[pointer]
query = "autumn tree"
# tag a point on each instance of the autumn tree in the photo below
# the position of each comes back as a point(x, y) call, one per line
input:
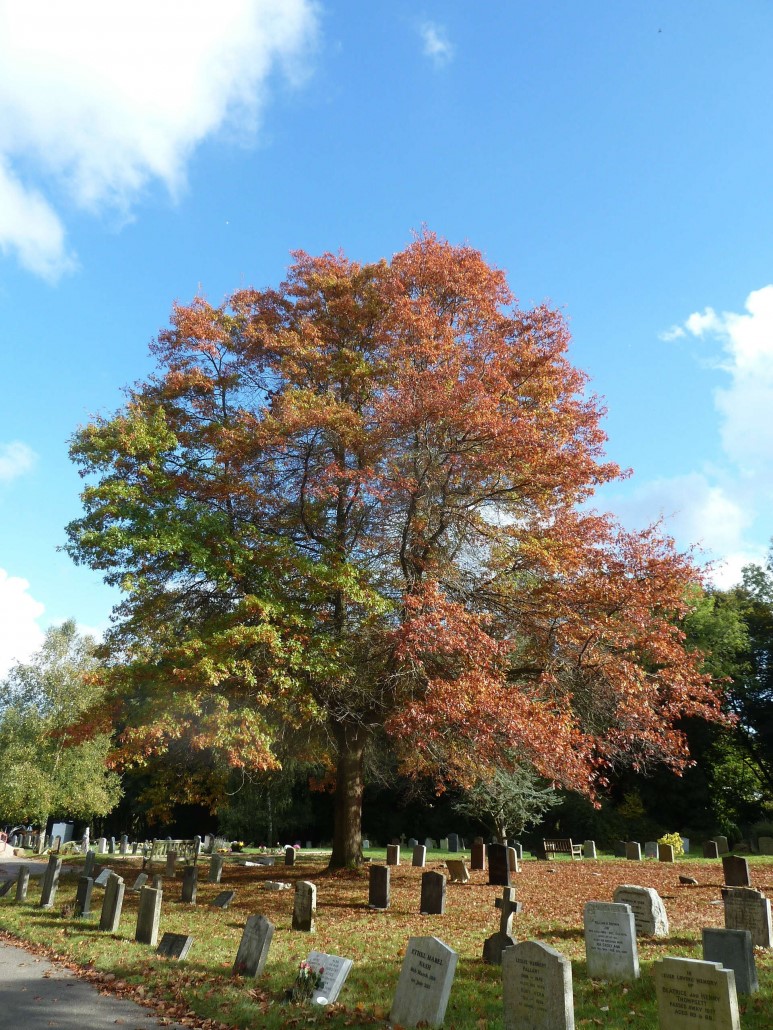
point(40, 775)
point(358, 503)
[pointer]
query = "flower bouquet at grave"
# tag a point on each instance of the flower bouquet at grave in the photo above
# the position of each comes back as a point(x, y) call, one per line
point(237, 845)
point(306, 983)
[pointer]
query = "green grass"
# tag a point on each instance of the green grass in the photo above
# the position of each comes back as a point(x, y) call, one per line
point(553, 895)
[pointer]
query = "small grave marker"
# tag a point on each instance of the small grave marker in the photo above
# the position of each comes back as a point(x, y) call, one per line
point(112, 904)
point(215, 868)
point(305, 906)
point(733, 949)
point(453, 843)
point(83, 897)
point(419, 859)
point(174, 945)
point(710, 849)
point(148, 916)
point(650, 849)
point(190, 885)
point(736, 871)
point(722, 844)
point(254, 945)
point(693, 995)
point(289, 855)
point(224, 899)
point(665, 852)
point(425, 982)
point(334, 971)
point(633, 851)
point(457, 870)
point(589, 849)
point(103, 877)
point(393, 854)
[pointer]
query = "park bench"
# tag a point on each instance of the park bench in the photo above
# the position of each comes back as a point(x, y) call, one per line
point(561, 846)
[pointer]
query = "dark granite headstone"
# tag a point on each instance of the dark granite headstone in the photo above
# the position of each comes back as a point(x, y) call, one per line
point(478, 856)
point(433, 894)
point(736, 871)
point(253, 948)
point(453, 842)
point(733, 949)
point(378, 888)
point(498, 866)
point(83, 897)
point(174, 945)
point(710, 849)
point(190, 884)
point(224, 899)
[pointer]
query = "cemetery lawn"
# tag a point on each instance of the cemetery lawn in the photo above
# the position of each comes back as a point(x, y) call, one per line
point(203, 989)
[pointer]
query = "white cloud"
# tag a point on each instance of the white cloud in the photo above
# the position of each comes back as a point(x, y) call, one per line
point(97, 101)
point(16, 457)
point(20, 634)
point(745, 403)
point(435, 43)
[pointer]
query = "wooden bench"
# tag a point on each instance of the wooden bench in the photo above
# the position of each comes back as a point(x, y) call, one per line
point(561, 846)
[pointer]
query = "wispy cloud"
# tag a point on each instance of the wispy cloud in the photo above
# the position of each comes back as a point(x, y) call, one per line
point(16, 458)
point(98, 101)
point(19, 611)
point(435, 43)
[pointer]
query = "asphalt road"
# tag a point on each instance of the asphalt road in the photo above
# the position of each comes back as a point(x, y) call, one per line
point(36, 994)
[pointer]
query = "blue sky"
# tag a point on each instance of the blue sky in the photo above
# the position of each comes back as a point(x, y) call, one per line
point(613, 157)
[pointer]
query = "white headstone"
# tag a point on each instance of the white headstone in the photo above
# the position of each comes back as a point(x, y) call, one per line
point(536, 988)
point(424, 984)
point(334, 970)
point(695, 995)
point(610, 941)
point(648, 909)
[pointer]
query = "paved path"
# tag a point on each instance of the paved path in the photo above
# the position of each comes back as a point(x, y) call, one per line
point(36, 994)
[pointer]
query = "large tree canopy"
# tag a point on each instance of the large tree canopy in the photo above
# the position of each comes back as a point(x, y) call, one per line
point(357, 503)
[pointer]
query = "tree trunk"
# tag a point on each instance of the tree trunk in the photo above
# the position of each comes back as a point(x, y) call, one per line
point(347, 826)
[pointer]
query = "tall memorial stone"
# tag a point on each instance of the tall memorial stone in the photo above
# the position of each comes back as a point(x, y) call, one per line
point(378, 886)
point(425, 982)
point(478, 856)
point(733, 949)
point(735, 870)
point(419, 859)
point(253, 947)
point(215, 868)
point(536, 988)
point(610, 941)
point(50, 882)
point(498, 866)
point(148, 916)
point(695, 995)
point(112, 904)
point(648, 909)
point(433, 894)
point(305, 906)
point(748, 909)
point(190, 885)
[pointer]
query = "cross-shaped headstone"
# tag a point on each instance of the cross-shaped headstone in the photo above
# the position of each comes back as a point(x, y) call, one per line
point(508, 907)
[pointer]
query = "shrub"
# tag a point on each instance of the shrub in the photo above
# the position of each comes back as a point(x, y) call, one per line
point(675, 841)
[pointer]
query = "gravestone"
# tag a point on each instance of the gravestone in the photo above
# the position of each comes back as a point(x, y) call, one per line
point(633, 851)
point(83, 897)
point(433, 894)
point(425, 982)
point(512, 860)
point(111, 846)
point(174, 945)
point(478, 856)
point(253, 947)
point(453, 842)
point(365, 845)
point(685, 845)
point(589, 849)
point(22, 883)
point(305, 906)
point(498, 866)
point(50, 882)
point(536, 988)
point(102, 845)
point(457, 870)
point(158, 882)
point(650, 849)
point(190, 885)
point(393, 854)
point(494, 945)
point(215, 868)
point(665, 852)
point(518, 848)
point(649, 912)
point(196, 849)
point(620, 849)
point(124, 844)
point(412, 842)
point(429, 844)
point(223, 900)
point(289, 855)
point(88, 864)
point(419, 856)
point(710, 849)
point(333, 970)
point(378, 886)
point(695, 995)
point(733, 949)
point(112, 904)
point(610, 941)
point(736, 871)
point(103, 877)
point(748, 909)
point(722, 844)
point(6, 887)
point(171, 862)
point(148, 916)
point(765, 844)
point(135, 847)
point(443, 844)
point(139, 883)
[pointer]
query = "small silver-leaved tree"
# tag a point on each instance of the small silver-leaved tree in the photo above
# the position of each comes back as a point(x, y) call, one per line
point(508, 801)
